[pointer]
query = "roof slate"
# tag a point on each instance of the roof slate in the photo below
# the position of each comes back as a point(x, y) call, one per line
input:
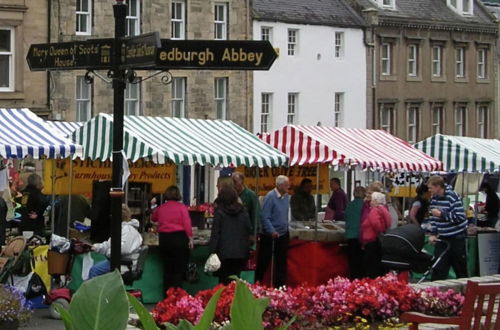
point(431, 11)
point(313, 12)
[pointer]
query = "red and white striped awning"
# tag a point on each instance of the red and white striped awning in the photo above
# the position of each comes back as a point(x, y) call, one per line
point(365, 148)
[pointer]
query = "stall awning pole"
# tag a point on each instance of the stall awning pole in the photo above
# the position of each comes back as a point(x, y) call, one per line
point(255, 227)
point(53, 202)
point(317, 207)
point(69, 195)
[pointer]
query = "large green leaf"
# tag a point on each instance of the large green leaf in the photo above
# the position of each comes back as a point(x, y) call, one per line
point(66, 317)
point(100, 303)
point(246, 310)
point(147, 321)
point(209, 312)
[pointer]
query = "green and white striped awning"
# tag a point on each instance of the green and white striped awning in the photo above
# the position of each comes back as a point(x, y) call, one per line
point(463, 154)
point(182, 141)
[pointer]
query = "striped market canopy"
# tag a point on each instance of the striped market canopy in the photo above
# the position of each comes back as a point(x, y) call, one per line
point(65, 127)
point(182, 141)
point(375, 149)
point(23, 133)
point(463, 154)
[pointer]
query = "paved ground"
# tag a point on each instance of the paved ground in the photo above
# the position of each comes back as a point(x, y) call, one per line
point(41, 321)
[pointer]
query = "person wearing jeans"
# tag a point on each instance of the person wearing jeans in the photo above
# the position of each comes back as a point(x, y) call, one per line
point(448, 227)
point(275, 237)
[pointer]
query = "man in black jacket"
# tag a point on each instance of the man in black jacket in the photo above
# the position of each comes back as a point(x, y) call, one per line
point(3, 220)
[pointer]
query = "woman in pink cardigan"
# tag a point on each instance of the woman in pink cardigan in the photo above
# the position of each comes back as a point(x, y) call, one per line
point(377, 222)
point(175, 236)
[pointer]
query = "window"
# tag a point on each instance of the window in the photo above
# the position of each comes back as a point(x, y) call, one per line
point(413, 123)
point(83, 17)
point(266, 33)
point(413, 60)
point(292, 41)
point(133, 99)
point(293, 99)
point(338, 110)
point(460, 119)
point(179, 97)
point(339, 44)
point(390, 4)
point(221, 98)
point(386, 59)
point(437, 65)
point(133, 18)
point(437, 118)
point(265, 113)
point(178, 20)
point(481, 63)
point(460, 62)
point(83, 99)
point(220, 21)
point(7, 59)
point(463, 7)
point(387, 117)
point(482, 121)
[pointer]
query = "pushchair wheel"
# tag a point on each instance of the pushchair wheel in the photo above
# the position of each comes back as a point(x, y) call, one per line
point(64, 303)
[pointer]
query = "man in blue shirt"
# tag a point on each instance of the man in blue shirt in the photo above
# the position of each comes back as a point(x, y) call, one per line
point(448, 225)
point(274, 238)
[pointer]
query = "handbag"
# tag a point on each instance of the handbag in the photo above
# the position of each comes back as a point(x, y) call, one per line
point(213, 263)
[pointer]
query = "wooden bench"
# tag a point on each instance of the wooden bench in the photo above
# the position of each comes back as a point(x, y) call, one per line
point(478, 311)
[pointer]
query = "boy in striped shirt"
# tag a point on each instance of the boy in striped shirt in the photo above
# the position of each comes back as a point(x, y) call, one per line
point(448, 224)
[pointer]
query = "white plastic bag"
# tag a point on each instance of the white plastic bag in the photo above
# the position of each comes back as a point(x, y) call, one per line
point(213, 263)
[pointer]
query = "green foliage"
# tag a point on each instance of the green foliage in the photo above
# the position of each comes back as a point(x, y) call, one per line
point(100, 303)
point(246, 311)
point(147, 321)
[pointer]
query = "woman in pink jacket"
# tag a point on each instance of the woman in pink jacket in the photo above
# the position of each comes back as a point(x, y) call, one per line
point(377, 222)
point(175, 236)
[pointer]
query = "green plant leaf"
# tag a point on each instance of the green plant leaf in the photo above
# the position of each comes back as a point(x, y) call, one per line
point(209, 312)
point(286, 326)
point(185, 325)
point(100, 303)
point(147, 321)
point(246, 310)
point(66, 317)
point(169, 326)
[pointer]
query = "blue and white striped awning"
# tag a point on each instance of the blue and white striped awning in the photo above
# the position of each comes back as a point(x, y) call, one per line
point(23, 133)
point(65, 127)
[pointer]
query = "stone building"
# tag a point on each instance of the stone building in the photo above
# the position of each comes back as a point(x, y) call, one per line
point(431, 67)
point(192, 94)
point(22, 22)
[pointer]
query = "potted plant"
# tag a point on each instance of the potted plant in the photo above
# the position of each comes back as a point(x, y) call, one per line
point(14, 308)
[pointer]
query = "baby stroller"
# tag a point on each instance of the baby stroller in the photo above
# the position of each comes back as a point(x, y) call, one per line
point(402, 251)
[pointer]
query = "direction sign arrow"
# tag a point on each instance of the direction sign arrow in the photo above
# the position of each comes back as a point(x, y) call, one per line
point(89, 54)
point(140, 50)
point(216, 54)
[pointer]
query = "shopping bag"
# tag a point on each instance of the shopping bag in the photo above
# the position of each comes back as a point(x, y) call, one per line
point(41, 264)
point(212, 264)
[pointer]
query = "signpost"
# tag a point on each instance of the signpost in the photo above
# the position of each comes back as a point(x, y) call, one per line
point(121, 55)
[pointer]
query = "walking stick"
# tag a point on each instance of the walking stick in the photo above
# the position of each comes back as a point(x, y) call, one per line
point(272, 260)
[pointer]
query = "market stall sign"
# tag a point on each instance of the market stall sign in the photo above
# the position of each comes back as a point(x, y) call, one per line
point(266, 177)
point(405, 184)
point(85, 172)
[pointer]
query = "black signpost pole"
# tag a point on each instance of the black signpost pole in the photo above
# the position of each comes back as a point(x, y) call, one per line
point(118, 74)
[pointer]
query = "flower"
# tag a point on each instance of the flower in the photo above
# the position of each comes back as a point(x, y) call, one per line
point(336, 303)
point(13, 305)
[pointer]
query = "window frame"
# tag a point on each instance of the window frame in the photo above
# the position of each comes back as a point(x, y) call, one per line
point(292, 106)
point(175, 99)
point(412, 137)
point(129, 99)
point(460, 113)
point(136, 18)
point(88, 14)
point(79, 99)
point(12, 60)
point(460, 64)
point(339, 44)
point(440, 128)
point(439, 61)
point(338, 109)
point(391, 109)
point(387, 59)
point(292, 46)
point(483, 62)
point(483, 121)
point(223, 99)
point(265, 116)
point(413, 64)
point(269, 33)
point(181, 21)
point(224, 23)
